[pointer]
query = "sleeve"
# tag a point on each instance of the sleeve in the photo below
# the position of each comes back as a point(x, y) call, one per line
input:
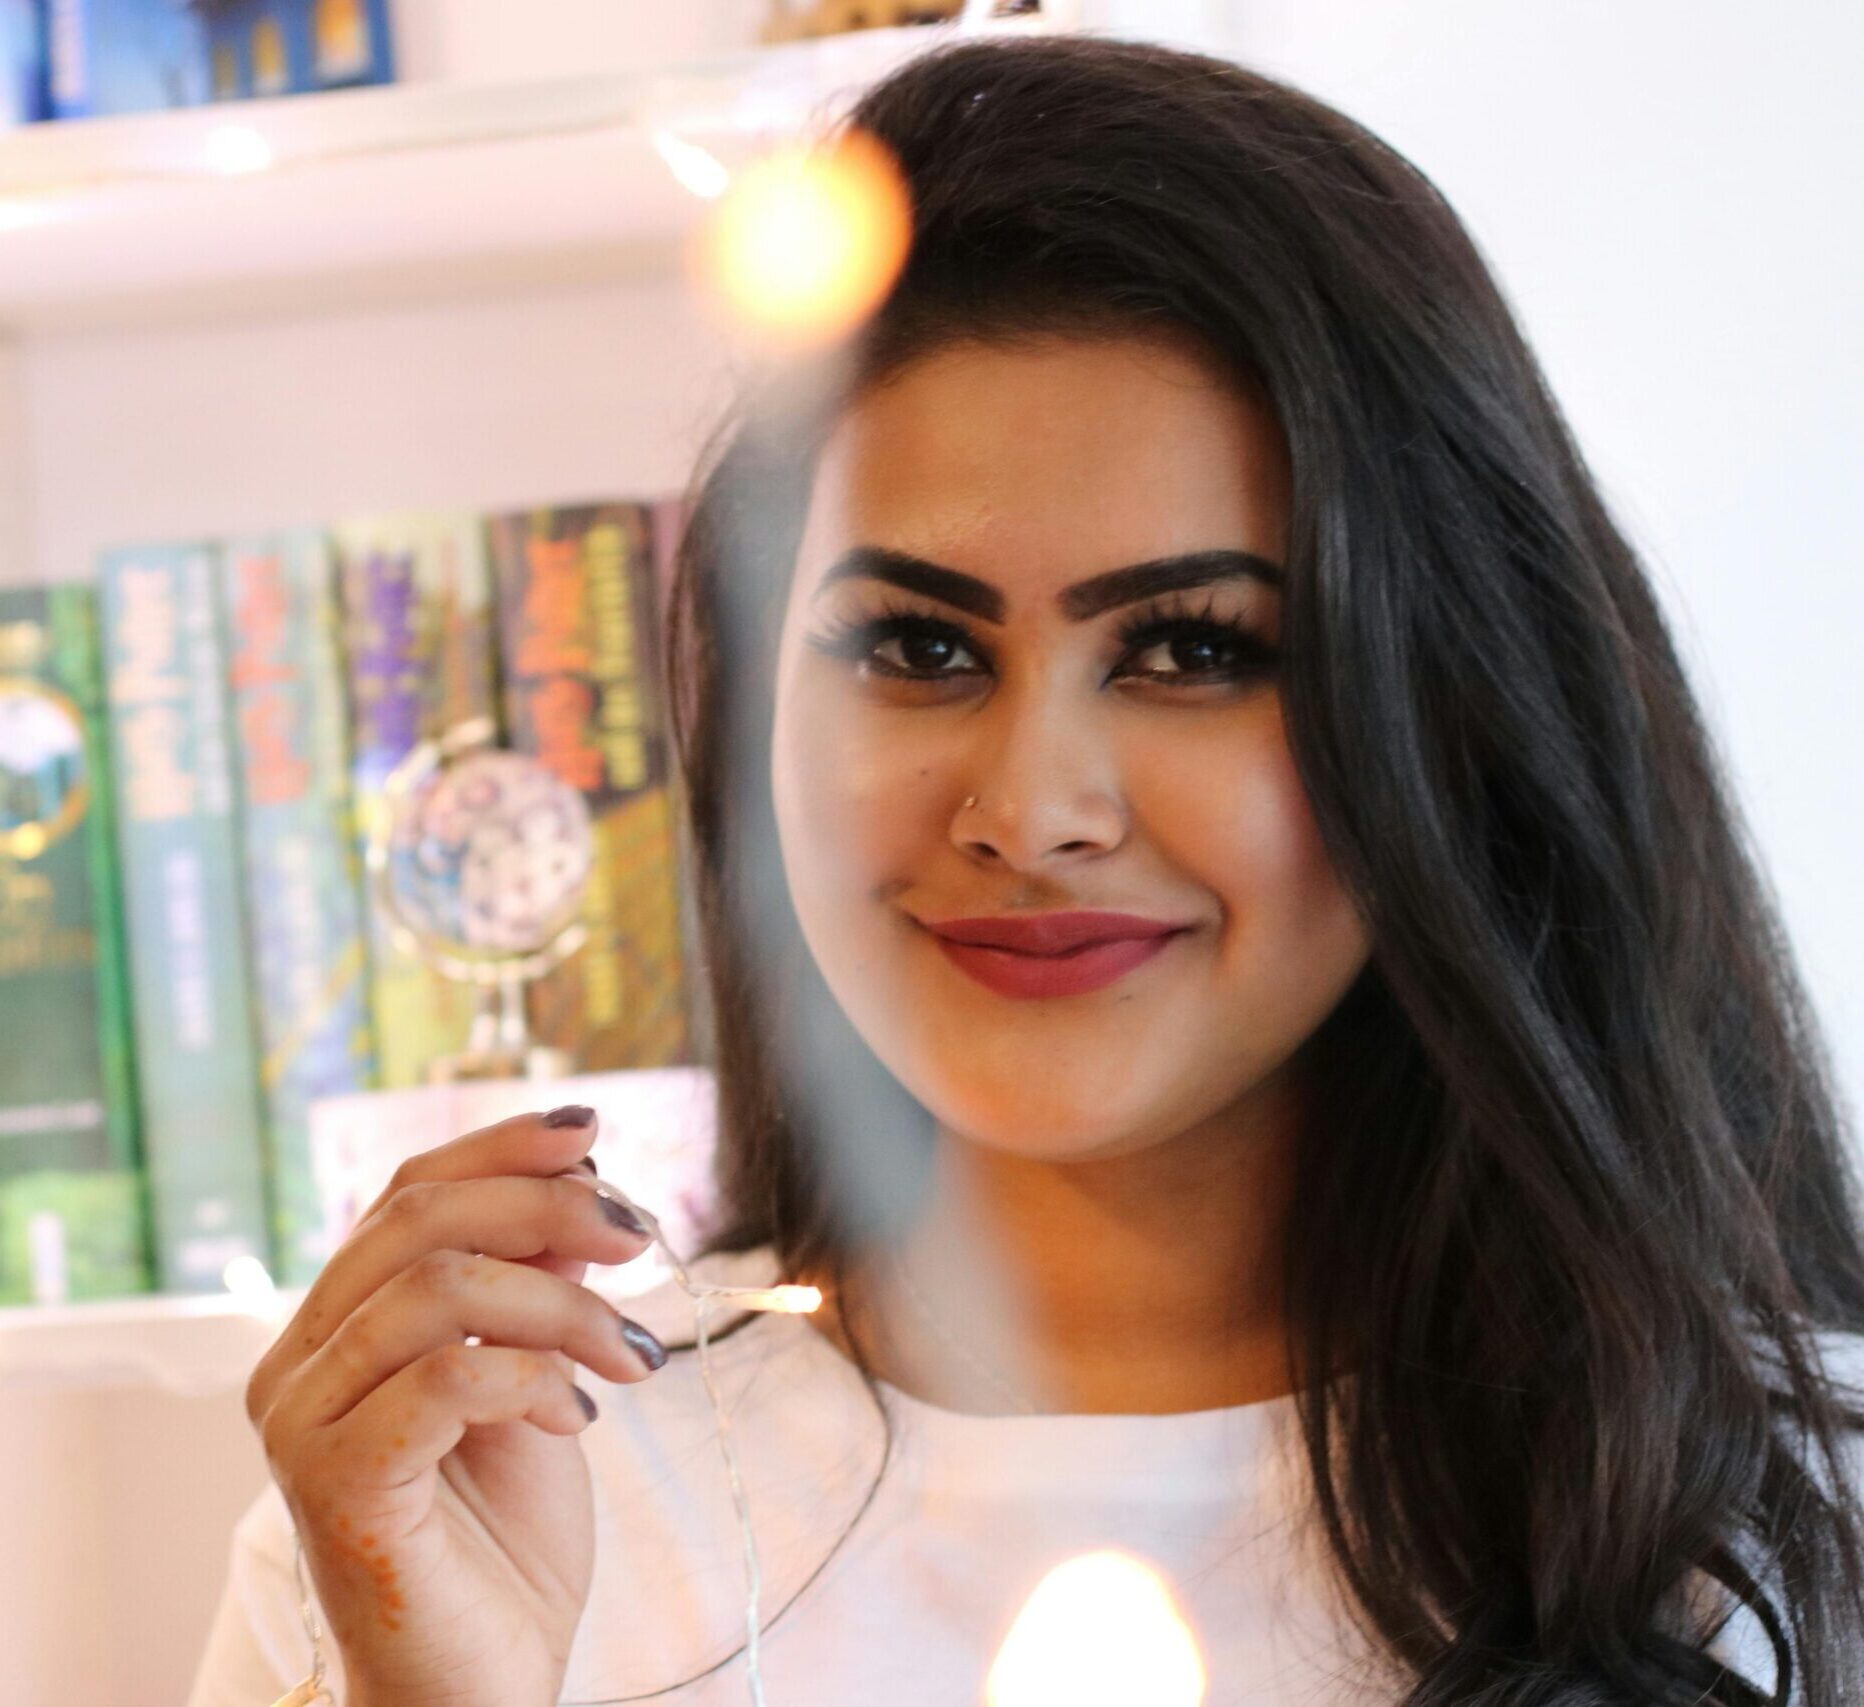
point(256, 1649)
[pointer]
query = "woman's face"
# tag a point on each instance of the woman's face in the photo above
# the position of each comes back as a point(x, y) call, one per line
point(1028, 668)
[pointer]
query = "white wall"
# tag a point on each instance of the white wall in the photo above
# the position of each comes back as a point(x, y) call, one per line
point(1673, 197)
point(592, 392)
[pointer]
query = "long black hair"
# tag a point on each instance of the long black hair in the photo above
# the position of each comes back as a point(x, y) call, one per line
point(1573, 1198)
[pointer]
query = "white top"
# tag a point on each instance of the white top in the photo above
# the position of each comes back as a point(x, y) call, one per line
point(913, 1607)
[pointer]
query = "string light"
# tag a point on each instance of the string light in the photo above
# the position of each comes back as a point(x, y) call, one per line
point(779, 1300)
point(809, 240)
point(1101, 1630)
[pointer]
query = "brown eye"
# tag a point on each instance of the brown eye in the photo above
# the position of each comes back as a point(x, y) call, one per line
point(921, 653)
point(1196, 650)
point(903, 647)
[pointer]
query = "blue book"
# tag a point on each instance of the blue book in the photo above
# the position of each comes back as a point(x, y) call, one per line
point(290, 47)
point(124, 56)
point(303, 881)
point(22, 61)
point(178, 835)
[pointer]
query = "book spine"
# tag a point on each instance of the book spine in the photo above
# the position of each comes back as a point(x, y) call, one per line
point(578, 620)
point(668, 519)
point(123, 56)
point(23, 79)
point(303, 882)
point(178, 837)
point(418, 619)
point(72, 1207)
point(67, 59)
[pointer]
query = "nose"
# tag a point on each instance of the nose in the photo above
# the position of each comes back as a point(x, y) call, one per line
point(1043, 787)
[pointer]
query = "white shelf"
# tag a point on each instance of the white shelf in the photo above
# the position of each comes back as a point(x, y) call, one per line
point(183, 1345)
point(398, 192)
point(188, 1346)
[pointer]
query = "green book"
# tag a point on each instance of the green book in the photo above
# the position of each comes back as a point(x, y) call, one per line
point(197, 1055)
point(303, 885)
point(72, 1210)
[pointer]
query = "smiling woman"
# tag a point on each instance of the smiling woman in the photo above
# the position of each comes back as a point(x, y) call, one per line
point(1192, 537)
point(1121, 730)
point(1234, 972)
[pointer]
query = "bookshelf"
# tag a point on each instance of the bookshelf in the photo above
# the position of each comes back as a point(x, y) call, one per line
point(402, 192)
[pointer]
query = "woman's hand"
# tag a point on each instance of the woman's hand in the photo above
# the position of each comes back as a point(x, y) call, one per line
point(437, 1486)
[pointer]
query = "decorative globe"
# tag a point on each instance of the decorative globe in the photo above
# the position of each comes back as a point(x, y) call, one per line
point(491, 854)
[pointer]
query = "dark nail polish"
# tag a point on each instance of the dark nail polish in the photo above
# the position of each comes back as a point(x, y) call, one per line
point(570, 1114)
point(589, 1163)
point(649, 1349)
point(587, 1403)
point(620, 1215)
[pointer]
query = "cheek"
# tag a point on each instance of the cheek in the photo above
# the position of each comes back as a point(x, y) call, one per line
point(848, 795)
point(1231, 810)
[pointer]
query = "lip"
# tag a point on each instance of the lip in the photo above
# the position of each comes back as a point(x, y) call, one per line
point(1050, 933)
point(1052, 954)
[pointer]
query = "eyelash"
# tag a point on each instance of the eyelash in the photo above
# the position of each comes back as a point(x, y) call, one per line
point(856, 639)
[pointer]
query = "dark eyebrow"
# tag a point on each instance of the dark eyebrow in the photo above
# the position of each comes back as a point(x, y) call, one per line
point(1085, 599)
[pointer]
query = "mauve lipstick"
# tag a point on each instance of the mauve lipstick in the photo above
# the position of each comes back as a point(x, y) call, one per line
point(1051, 954)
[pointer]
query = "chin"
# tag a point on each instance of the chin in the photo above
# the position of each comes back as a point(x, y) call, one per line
point(1018, 1125)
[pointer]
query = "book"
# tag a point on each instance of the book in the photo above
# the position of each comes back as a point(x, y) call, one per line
point(72, 1209)
point(22, 62)
point(417, 613)
point(667, 523)
point(123, 56)
point(303, 881)
point(178, 839)
point(288, 47)
point(578, 628)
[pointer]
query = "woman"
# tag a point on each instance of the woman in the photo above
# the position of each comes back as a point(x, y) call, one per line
point(1234, 969)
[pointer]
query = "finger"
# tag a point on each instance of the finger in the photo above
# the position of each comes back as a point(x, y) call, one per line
point(506, 1217)
point(551, 1262)
point(539, 1144)
point(440, 1301)
point(417, 1416)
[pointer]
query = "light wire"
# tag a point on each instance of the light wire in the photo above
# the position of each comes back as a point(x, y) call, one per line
point(787, 1300)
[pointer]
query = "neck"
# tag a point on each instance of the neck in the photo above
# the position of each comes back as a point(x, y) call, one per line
point(1138, 1283)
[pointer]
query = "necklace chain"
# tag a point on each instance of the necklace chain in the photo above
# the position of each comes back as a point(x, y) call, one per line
point(970, 1361)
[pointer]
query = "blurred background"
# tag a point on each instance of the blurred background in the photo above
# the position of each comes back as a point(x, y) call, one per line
point(354, 355)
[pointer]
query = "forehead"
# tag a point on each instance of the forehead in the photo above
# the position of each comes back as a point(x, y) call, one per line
point(1041, 462)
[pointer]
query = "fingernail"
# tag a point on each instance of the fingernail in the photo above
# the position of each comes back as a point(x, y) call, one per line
point(619, 1214)
point(643, 1344)
point(570, 1114)
point(587, 1403)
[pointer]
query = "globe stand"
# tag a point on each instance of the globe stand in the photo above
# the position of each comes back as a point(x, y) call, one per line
point(479, 861)
point(498, 1044)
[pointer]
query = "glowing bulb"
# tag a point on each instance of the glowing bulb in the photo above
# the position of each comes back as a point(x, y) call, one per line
point(22, 213)
point(784, 1300)
point(234, 150)
point(809, 241)
point(694, 167)
point(1101, 1630)
point(251, 1286)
